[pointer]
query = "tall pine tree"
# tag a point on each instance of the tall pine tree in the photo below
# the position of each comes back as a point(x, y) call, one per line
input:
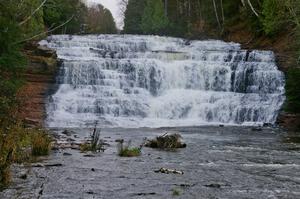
point(154, 20)
point(133, 16)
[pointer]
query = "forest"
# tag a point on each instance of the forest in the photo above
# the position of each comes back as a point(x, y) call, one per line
point(23, 21)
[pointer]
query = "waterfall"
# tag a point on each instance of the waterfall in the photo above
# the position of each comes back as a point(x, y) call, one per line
point(152, 81)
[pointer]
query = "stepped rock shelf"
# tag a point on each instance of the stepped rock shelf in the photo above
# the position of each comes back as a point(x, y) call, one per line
point(151, 81)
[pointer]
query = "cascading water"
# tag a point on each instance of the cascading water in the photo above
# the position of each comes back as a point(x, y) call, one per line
point(136, 81)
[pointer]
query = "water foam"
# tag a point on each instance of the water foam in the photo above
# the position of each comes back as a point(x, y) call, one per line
point(136, 81)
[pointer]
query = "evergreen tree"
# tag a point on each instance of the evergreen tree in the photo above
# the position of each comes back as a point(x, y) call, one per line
point(36, 23)
point(11, 58)
point(110, 25)
point(273, 18)
point(57, 12)
point(133, 16)
point(154, 20)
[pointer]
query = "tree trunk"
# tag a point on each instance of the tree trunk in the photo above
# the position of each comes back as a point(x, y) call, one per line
point(216, 12)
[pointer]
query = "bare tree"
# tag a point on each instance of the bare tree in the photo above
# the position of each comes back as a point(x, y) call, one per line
point(122, 9)
point(166, 8)
point(48, 31)
point(252, 8)
point(222, 9)
point(33, 13)
point(216, 13)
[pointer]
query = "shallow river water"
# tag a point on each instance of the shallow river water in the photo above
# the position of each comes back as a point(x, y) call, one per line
point(219, 162)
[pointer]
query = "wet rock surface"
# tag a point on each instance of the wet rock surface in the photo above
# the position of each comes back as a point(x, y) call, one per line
point(229, 162)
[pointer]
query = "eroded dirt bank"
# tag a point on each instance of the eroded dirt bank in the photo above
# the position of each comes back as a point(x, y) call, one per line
point(40, 78)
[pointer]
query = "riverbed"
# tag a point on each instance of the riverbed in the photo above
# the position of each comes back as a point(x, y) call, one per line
point(219, 162)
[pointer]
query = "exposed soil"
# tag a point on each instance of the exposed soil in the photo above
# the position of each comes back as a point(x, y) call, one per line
point(39, 77)
point(282, 44)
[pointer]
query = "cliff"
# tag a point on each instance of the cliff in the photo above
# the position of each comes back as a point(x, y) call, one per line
point(286, 56)
point(40, 78)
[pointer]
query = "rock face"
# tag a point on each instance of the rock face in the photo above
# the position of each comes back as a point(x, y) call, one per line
point(289, 121)
point(40, 78)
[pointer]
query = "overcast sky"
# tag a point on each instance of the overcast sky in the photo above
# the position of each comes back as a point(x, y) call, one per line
point(113, 6)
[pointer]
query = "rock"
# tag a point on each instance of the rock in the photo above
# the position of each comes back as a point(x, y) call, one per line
point(256, 129)
point(90, 192)
point(47, 165)
point(169, 171)
point(145, 194)
point(89, 155)
point(45, 51)
point(67, 154)
point(267, 125)
point(23, 176)
point(213, 185)
point(67, 132)
point(75, 146)
point(221, 125)
point(55, 148)
point(70, 140)
point(93, 169)
point(185, 185)
point(53, 165)
point(31, 123)
point(289, 121)
point(119, 140)
point(37, 165)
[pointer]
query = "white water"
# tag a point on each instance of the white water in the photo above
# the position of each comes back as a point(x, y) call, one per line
point(136, 81)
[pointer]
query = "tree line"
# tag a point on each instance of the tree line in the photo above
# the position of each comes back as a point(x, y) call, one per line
point(197, 17)
point(26, 20)
point(23, 21)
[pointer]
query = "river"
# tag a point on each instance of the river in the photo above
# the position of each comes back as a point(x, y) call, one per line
point(219, 162)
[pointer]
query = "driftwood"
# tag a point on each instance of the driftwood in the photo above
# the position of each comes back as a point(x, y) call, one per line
point(165, 141)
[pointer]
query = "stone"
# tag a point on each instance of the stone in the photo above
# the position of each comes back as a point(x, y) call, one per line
point(67, 132)
point(169, 171)
point(119, 140)
point(213, 185)
point(23, 176)
point(256, 129)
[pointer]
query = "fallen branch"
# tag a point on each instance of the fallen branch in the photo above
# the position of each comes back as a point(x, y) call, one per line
point(169, 171)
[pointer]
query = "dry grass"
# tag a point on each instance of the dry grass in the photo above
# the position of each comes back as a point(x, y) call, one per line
point(175, 192)
point(95, 145)
point(40, 143)
point(18, 145)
